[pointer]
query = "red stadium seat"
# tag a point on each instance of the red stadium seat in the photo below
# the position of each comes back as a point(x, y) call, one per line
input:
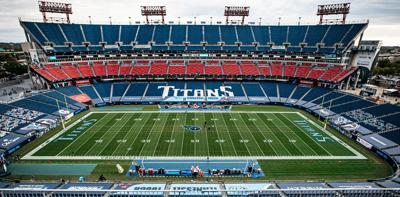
point(86, 70)
point(193, 69)
point(249, 69)
point(316, 73)
point(125, 70)
point(289, 70)
point(213, 70)
point(231, 69)
point(302, 71)
point(45, 74)
point(100, 70)
point(178, 62)
point(276, 69)
point(112, 70)
point(159, 69)
point(330, 74)
point(344, 74)
point(265, 70)
point(72, 71)
point(176, 70)
point(140, 70)
point(58, 73)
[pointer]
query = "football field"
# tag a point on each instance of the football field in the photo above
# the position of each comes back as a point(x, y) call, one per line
point(193, 135)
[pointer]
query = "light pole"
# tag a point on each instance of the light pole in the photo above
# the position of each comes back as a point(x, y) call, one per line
point(299, 20)
point(90, 19)
point(279, 21)
point(195, 20)
point(110, 20)
point(179, 20)
point(211, 20)
point(259, 22)
point(130, 22)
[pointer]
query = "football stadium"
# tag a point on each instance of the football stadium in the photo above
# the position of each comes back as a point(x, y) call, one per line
point(196, 108)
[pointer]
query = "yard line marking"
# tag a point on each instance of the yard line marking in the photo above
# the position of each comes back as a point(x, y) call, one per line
point(227, 132)
point(85, 132)
point(152, 128)
point(241, 136)
point(307, 134)
point(160, 134)
point(130, 158)
point(273, 133)
point(293, 135)
point(129, 131)
point(137, 134)
point(107, 133)
point(172, 132)
point(262, 133)
point(249, 131)
point(183, 135)
point(216, 129)
point(116, 133)
point(32, 152)
point(207, 146)
point(359, 155)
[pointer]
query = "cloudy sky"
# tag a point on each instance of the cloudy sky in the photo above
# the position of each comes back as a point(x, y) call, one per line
point(384, 15)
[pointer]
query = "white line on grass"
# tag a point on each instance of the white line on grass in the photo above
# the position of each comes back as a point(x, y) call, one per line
point(58, 135)
point(307, 134)
point(273, 133)
point(130, 158)
point(359, 155)
point(295, 135)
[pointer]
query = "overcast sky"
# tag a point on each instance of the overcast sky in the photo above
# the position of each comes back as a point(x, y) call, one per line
point(384, 15)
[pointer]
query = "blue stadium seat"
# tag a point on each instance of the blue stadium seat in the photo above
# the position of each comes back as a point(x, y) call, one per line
point(110, 34)
point(104, 90)
point(195, 34)
point(92, 34)
point(73, 33)
point(178, 34)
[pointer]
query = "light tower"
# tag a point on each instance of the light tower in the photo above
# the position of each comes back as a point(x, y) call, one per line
point(242, 11)
point(54, 7)
point(154, 11)
point(333, 9)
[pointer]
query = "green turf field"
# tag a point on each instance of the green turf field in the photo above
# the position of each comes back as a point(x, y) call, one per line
point(256, 135)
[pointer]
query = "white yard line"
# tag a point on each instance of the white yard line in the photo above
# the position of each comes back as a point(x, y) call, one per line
point(32, 152)
point(273, 133)
point(227, 132)
point(130, 158)
point(216, 130)
point(118, 129)
point(105, 134)
point(138, 133)
point(297, 136)
point(359, 155)
point(307, 135)
point(87, 131)
point(249, 131)
point(265, 138)
point(127, 133)
point(159, 134)
point(172, 133)
point(151, 129)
